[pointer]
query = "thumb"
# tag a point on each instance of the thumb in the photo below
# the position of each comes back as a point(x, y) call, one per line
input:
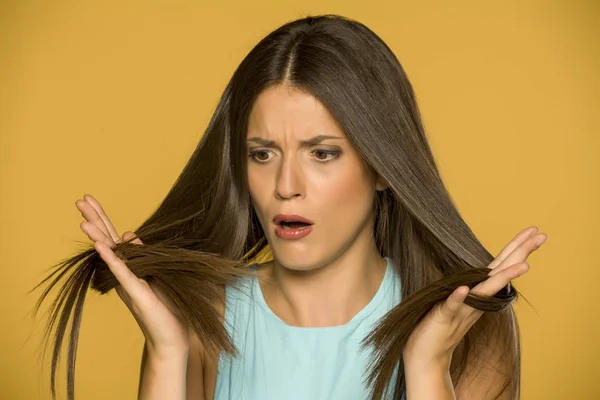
point(129, 235)
point(455, 301)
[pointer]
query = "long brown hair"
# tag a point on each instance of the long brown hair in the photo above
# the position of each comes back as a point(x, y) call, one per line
point(360, 81)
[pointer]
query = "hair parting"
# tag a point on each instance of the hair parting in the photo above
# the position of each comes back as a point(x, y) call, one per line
point(205, 233)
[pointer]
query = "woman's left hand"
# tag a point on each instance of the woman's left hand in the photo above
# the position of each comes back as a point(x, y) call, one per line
point(440, 331)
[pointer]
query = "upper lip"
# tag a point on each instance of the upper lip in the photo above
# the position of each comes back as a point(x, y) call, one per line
point(279, 218)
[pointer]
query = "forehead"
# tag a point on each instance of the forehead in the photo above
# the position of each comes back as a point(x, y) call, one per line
point(283, 111)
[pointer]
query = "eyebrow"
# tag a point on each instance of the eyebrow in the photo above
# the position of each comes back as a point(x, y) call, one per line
point(305, 143)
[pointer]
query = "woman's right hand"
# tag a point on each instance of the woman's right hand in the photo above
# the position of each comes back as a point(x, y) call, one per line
point(166, 334)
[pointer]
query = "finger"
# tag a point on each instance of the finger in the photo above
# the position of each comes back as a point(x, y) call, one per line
point(513, 244)
point(130, 283)
point(521, 253)
point(493, 284)
point(453, 305)
point(95, 234)
point(128, 235)
point(91, 215)
point(96, 205)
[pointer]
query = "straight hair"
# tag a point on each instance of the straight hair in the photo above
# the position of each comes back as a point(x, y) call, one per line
point(357, 77)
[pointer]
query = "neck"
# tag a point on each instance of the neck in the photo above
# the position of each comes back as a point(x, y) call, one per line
point(329, 295)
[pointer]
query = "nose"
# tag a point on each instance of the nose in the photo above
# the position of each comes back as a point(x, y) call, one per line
point(290, 181)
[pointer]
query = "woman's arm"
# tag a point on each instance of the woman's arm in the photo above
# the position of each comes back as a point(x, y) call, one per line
point(428, 381)
point(180, 377)
point(163, 378)
point(483, 378)
point(200, 372)
point(428, 351)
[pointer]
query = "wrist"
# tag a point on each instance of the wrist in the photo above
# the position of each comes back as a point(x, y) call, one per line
point(423, 369)
point(164, 376)
point(169, 355)
point(424, 364)
point(428, 380)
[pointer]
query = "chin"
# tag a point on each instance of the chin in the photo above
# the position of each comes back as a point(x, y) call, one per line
point(295, 260)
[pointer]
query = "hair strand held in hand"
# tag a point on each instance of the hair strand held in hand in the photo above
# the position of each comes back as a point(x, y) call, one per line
point(205, 232)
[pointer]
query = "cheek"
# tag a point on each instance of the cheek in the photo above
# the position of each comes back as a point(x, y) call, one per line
point(258, 191)
point(348, 193)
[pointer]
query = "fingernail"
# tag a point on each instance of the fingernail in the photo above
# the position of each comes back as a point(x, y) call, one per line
point(542, 240)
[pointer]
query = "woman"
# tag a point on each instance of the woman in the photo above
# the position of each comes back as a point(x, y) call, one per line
point(315, 171)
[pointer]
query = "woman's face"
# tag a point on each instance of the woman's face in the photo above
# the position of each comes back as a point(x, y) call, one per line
point(301, 163)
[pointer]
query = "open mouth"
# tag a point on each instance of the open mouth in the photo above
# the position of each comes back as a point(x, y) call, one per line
point(293, 225)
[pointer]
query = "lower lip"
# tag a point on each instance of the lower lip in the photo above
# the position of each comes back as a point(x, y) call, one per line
point(292, 233)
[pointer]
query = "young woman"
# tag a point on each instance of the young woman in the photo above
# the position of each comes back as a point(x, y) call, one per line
point(363, 279)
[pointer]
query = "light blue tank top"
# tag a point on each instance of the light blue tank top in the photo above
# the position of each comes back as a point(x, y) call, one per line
point(277, 361)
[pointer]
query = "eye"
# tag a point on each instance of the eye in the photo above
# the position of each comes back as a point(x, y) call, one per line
point(259, 156)
point(324, 156)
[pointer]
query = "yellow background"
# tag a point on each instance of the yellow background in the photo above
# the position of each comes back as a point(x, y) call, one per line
point(111, 98)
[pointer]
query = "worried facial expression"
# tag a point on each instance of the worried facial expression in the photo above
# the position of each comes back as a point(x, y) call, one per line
point(311, 191)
